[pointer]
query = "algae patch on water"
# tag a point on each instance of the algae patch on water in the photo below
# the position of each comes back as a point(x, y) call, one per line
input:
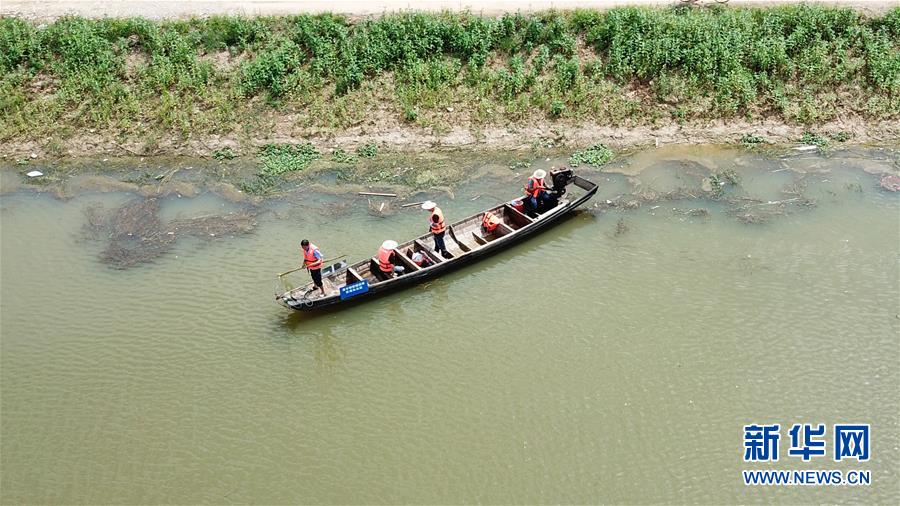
point(136, 234)
point(595, 156)
point(278, 160)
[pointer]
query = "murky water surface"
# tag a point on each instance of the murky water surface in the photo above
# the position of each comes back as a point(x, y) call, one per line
point(612, 359)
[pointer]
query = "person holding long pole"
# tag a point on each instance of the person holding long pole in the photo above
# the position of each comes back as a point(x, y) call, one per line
point(313, 261)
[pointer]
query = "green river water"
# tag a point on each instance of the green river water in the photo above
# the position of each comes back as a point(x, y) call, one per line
point(614, 358)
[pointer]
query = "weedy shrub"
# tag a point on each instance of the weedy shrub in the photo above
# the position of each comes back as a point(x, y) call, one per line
point(515, 80)
point(814, 139)
point(432, 74)
point(224, 32)
point(557, 107)
point(367, 150)
point(565, 71)
point(341, 156)
point(750, 139)
point(77, 50)
point(224, 154)
point(410, 113)
point(272, 69)
point(19, 45)
point(841, 136)
point(174, 61)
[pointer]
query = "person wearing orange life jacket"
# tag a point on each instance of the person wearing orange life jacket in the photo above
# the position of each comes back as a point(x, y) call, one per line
point(313, 261)
point(387, 255)
point(437, 226)
point(536, 190)
point(489, 222)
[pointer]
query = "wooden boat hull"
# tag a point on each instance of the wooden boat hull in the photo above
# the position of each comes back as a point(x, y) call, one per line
point(544, 222)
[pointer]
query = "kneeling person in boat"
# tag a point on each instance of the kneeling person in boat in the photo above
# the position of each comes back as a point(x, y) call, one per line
point(313, 261)
point(387, 256)
point(437, 227)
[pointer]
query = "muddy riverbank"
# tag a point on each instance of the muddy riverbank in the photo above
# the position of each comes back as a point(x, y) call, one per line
point(395, 136)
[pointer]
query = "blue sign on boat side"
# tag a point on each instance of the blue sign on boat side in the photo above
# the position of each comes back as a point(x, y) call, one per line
point(352, 290)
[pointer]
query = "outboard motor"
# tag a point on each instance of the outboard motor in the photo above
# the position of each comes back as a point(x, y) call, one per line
point(561, 178)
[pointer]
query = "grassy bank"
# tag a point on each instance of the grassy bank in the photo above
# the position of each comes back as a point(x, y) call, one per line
point(135, 79)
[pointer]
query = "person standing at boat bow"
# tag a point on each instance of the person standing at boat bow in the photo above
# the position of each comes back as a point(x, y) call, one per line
point(437, 227)
point(313, 261)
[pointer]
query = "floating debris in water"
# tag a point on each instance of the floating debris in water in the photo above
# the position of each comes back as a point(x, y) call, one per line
point(891, 182)
point(699, 212)
point(749, 218)
point(215, 225)
point(136, 234)
point(34, 173)
point(621, 227)
point(339, 208)
point(380, 209)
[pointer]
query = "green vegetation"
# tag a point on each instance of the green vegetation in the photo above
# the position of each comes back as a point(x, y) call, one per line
point(278, 160)
point(367, 150)
point(146, 79)
point(718, 180)
point(595, 156)
point(814, 139)
point(750, 139)
point(341, 156)
point(224, 154)
point(841, 136)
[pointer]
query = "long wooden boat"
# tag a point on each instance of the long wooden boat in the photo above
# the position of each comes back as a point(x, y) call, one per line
point(465, 240)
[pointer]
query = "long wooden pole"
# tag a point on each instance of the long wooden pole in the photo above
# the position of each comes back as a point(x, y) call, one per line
point(378, 194)
point(304, 267)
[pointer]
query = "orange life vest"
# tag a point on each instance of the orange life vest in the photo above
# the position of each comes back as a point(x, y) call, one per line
point(534, 187)
point(384, 260)
point(490, 222)
point(309, 257)
point(437, 227)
